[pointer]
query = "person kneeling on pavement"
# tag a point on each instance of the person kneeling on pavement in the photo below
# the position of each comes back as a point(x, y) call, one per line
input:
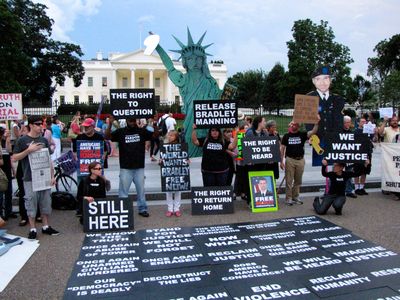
point(336, 194)
point(91, 187)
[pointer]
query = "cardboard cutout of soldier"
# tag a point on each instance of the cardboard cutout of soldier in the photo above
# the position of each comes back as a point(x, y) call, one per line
point(330, 112)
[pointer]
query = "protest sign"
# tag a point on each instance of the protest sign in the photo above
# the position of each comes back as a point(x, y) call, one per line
point(228, 92)
point(108, 215)
point(261, 149)
point(212, 200)
point(88, 152)
point(240, 135)
point(385, 112)
point(369, 128)
point(299, 257)
point(67, 163)
point(215, 113)
point(390, 162)
point(263, 191)
point(306, 109)
point(41, 169)
point(11, 107)
point(347, 147)
point(132, 103)
point(175, 172)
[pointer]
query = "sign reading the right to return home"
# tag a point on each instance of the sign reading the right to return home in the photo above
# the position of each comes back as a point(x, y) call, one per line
point(305, 109)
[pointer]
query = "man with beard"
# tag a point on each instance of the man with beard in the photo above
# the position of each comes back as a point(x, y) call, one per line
point(389, 132)
point(133, 142)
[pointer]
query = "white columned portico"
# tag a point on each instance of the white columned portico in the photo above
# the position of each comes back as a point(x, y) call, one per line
point(114, 78)
point(151, 79)
point(133, 79)
point(168, 94)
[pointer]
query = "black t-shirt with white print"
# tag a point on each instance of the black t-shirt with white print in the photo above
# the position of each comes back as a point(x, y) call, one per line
point(131, 143)
point(294, 143)
point(214, 155)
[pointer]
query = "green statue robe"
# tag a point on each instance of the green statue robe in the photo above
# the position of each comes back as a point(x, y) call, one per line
point(196, 84)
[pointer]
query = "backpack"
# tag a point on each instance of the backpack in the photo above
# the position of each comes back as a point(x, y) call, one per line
point(63, 201)
point(162, 127)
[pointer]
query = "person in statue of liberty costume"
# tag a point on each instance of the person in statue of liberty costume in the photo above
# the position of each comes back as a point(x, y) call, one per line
point(196, 84)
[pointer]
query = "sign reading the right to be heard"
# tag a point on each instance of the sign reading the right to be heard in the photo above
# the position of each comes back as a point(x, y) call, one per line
point(212, 200)
point(261, 149)
point(108, 215)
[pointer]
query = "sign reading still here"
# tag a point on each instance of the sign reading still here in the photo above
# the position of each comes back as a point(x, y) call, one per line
point(108, 215)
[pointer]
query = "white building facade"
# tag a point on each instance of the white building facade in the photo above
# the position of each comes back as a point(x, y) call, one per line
point(127, 70)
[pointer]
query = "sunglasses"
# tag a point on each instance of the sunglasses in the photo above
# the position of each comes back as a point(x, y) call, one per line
point(97, 169)
point(38, 123)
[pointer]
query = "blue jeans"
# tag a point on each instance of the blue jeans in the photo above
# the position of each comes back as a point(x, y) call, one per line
point(126, 176)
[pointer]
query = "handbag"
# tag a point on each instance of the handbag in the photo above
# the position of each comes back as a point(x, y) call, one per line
point(3, 181)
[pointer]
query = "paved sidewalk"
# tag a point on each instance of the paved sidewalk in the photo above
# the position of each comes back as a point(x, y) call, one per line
point(45, 275)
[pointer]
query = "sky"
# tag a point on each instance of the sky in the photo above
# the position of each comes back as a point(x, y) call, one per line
point(246, 35)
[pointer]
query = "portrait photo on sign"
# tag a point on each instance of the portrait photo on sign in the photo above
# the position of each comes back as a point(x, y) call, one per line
point(263, 193)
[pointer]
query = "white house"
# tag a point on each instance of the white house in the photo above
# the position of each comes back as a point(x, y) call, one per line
point(127, 70)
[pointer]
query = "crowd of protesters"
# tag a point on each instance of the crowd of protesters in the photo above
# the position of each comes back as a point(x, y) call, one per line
point(132, 139)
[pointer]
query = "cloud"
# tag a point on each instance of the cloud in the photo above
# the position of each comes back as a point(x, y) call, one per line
point(146, 19)
point(66, 12)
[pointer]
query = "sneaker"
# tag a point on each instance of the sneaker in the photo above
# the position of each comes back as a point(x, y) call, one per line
point(32, 235)
point(289, 202)
point(169, 214)
point(351, 195)
point(363, 192)
point(178, 213)
point(50, 231)
point(297, 201)
point(144, 214)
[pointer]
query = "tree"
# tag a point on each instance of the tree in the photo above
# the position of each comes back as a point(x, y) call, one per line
point(274, 88)
point(29, 58)
point(386, 63)
point(249, 87)
point(390, 89)
point(361, 93)
point(312, 46)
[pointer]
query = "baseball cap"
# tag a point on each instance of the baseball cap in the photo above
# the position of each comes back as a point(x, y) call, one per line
point(88, 122)
point(323, 70)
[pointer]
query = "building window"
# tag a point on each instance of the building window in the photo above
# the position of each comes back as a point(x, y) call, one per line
point(157, 82)
point(62, 84)
point(62, 100)
point(177, 100)
point(90, 98)
point(76, 100)
point(90, 81)
point(141, 82)
point(124, 82)
point(104, 81)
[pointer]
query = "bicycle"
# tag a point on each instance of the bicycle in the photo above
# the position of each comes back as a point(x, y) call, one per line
point(63, 167)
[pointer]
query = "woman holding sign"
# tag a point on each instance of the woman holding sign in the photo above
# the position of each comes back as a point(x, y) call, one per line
point(93, 186)
point(214, 165)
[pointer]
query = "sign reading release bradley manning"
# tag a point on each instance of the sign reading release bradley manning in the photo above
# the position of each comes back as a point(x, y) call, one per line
point(132, 103)
point(215, 114)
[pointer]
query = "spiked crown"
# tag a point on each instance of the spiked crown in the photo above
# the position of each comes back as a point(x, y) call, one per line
point(191, 47)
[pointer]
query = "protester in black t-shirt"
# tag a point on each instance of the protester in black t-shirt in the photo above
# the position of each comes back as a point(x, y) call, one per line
point(93, 186)
point(336, 195)
point(214, 165)
point(132, 142)
point(6, 197)
point(292, 148)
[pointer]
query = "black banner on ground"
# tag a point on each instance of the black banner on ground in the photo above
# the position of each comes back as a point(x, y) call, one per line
point(132, 103)
point(212, 200)
point(215, 113)
point(300, 258)
point(175, 172)
point(261, 149)
point(348, 148)
point(108, 215)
